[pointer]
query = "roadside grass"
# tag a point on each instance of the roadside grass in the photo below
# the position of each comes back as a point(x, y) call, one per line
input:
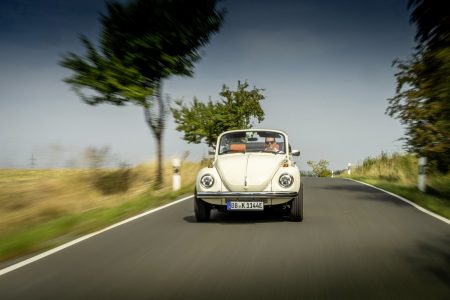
point(397, 173)
point(436, 204)
point(40, 209)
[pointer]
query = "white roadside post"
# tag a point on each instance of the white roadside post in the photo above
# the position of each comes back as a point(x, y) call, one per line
point(349, 168)
point(332, 174)
point(421, 183)
point(176, 178)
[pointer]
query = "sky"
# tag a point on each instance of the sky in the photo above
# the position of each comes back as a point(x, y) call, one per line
point(324, 65)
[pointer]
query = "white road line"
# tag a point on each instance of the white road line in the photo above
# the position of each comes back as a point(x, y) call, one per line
point(443, 219)
point(85, 237)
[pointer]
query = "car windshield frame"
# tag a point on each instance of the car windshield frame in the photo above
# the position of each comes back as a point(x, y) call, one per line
point(252, 141)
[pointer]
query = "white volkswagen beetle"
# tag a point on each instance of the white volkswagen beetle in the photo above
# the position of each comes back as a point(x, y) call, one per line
point(252, 169)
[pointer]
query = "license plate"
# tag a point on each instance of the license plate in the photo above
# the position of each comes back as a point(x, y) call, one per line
point(245, 205)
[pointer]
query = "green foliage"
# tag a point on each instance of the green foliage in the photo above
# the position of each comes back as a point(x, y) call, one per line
point(206, 121)
point(422, 104)
point(142, 43)
point(397, 167)
point(113, 182)
point(439, 204)
point(307, 173)
point(431, 18)
point(422, 100)
point(320, 168)
point(403, 169)
point(43, 208)
point(161, 37)
point(439, 185)
point(398, 173)
point(28, 239)
point(110, 80)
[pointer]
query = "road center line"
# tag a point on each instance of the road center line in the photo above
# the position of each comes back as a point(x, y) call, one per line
point(85, 237)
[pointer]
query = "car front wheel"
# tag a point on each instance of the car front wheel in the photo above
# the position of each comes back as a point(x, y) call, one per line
point(296, 212)
point(202, 209)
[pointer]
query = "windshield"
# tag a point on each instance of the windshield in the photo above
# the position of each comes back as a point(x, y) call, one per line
point(252, 141)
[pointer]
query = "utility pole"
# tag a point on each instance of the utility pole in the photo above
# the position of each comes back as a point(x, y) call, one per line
point(32, 161)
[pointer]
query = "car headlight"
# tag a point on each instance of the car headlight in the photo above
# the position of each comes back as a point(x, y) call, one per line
point(286, 180)
point(207, 180)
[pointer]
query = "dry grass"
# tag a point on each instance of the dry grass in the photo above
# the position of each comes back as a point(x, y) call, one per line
point(402, 169)
point(398, 173)
point(29, 197)
point(395, 167)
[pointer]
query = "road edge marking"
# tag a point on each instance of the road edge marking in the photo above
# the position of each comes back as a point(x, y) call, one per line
point(85, 237)
point(441, 218)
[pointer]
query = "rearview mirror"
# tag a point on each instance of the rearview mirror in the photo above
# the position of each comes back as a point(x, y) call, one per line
point(211, 152)
point(295, 152)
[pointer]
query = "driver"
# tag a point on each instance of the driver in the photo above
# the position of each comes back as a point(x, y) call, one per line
point(271, 144)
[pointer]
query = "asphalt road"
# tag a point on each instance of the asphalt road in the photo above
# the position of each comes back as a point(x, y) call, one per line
point(355, 243)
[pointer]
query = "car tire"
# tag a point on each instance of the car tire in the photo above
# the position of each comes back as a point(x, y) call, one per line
point(202, 209)
point(296, 212)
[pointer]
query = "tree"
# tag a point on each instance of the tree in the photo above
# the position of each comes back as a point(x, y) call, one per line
point(320, 168)
point(422, 100)
point(432, 20)
point(142, 43)
point(96, 157)
point(206, 121)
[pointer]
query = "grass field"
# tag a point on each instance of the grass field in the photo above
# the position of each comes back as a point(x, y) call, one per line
point(43, 208)
point(398, 173)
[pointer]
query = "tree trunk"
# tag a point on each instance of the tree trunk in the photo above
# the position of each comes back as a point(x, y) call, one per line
point(156, 120)
point(160, 167)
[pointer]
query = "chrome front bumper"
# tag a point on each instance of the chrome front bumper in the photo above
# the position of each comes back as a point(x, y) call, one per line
point(247, 195)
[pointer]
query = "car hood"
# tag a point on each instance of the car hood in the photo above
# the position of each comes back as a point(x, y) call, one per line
point(250, 172)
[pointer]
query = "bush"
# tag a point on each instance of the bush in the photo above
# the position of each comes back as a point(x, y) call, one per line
point(320, 168)
point(113, 182)
point(325, 173)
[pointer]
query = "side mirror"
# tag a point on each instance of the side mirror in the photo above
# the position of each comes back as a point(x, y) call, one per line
point(295, 152)
point(211, 152)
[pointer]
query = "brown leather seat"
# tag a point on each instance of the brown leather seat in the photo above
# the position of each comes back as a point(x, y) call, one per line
point(234, 148)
